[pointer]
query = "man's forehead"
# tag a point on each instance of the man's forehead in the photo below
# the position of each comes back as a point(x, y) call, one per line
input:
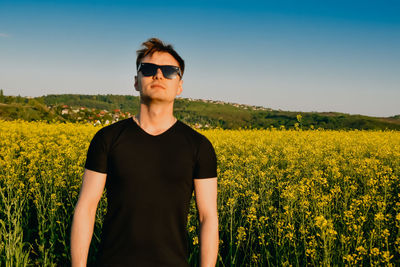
point(160, 58)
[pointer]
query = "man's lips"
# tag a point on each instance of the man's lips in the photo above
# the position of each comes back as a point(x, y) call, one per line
point(157, 86)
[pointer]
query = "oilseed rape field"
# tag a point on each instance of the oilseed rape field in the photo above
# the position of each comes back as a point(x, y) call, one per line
point(285, 197)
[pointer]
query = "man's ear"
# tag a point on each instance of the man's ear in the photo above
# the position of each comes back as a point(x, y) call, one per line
point(180, 87)
point(136, 84)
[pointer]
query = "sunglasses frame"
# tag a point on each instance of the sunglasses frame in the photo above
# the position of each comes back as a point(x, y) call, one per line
point(162, 67)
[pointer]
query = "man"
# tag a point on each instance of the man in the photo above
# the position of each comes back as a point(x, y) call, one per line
point(150, 164)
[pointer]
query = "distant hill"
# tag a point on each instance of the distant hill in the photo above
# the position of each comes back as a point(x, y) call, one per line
point(105, 109)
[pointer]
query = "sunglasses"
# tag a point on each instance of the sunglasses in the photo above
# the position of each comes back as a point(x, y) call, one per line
point(150, 69)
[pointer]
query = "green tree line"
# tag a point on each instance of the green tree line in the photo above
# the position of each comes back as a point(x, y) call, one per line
point(202, 113)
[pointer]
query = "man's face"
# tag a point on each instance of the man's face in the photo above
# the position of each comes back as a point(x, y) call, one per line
point(158, 87)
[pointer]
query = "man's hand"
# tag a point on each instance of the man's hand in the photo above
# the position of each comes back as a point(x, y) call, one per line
point(206, 201)
point(84, 216)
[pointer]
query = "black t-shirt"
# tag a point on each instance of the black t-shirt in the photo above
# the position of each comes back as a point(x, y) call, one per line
point(149, 186)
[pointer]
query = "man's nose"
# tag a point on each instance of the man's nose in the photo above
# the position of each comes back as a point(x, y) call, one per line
point(158, 74)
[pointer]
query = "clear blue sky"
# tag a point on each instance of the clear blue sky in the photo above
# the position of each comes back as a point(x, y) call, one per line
point(292, 55)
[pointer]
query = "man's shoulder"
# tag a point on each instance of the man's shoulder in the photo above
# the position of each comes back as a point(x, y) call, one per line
point(116, 125)
point(188, 129)
point(107, 132)
point(194, 135)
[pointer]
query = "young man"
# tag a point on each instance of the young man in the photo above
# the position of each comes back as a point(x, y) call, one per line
point(150, 164)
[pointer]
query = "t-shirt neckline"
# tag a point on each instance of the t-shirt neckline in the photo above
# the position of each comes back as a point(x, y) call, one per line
point(158, 135)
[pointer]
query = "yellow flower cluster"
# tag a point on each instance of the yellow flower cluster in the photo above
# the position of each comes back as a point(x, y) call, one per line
point(308, 197)
point(285, 197)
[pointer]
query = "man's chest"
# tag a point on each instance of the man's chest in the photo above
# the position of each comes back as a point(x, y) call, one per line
point(161, 163)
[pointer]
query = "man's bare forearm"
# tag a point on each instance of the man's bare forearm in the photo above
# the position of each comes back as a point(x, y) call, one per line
point(209, 241)
point(81, 234)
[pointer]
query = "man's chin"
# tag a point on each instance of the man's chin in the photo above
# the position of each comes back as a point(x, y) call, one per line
point(155, 99)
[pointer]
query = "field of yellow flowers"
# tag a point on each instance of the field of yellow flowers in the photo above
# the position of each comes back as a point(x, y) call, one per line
point(285, 197)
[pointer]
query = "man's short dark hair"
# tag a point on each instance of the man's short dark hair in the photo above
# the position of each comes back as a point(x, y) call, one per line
point(156, 45)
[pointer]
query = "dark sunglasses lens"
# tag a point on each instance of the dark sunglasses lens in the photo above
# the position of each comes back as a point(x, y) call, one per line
point(148, 70)
point(169, 72)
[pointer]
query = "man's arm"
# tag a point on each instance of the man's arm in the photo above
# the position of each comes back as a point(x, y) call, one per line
point(84, 216)
point(206, 201)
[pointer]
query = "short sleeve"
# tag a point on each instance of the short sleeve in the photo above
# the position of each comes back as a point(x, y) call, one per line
point(96, 159)
point(206, 160)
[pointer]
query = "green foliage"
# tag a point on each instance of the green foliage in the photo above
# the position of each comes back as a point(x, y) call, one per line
point(108, 102)
point(199, 113)
point(1, 96)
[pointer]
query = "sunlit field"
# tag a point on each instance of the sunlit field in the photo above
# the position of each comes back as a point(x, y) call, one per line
point(285, 197)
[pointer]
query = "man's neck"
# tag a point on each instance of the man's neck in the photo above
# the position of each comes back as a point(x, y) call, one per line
point(155, 118)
